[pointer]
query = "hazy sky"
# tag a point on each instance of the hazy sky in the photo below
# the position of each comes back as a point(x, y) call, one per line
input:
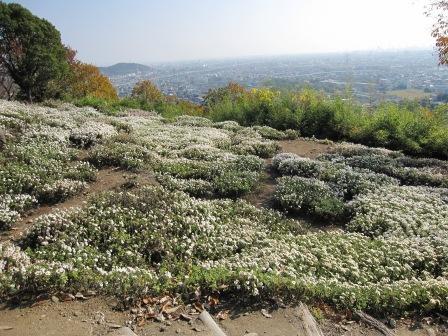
point(109, 31)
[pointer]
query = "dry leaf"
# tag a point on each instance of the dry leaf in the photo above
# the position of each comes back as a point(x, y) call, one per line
point(198, 306)
point(197, 294)
point(213, 300)
point(171, 310)
point(223, 315)
point(164, 299)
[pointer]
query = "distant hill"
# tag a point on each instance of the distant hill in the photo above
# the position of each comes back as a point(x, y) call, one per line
point(124, 68)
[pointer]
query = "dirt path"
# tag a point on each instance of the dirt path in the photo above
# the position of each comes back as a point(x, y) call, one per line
point(107, 179)
point(306, 148)
point(261, 197)
point(96, 317)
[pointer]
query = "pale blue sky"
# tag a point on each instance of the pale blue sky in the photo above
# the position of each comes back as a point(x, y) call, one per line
point(109, 31)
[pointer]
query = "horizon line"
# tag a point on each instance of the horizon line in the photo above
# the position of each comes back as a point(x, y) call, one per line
point(260, 56)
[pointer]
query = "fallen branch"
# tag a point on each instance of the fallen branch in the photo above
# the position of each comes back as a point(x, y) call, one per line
point(210, 323)
point(308, 323)
point(381, 327)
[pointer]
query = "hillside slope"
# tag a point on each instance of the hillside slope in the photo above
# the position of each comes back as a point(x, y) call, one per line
point(121, 69)
point(355, 227)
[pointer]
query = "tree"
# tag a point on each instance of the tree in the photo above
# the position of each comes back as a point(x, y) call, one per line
point(148, 92)
point(232, 91)
point(31, 51)
point(8, 89)
point(438, 11)
point(87, 81)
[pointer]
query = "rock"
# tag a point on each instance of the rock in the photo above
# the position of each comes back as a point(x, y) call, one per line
point(159, 318)
point(99, 317)
point(77, 313)
point(163, 328)
point(55, 299)
point(265, 313)
point(196, 329)
point(123, 331)
point(114, 326)
point(90, 293)
point(79, 296)
point(392, 323)
point(430, 332)
point(3, 328)
point(178, 331)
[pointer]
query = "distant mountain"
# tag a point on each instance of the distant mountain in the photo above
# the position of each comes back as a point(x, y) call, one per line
point(120, 69)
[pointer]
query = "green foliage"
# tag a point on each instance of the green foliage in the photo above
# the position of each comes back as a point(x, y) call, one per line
point(169, 109)
point(411, 128)
point(31, 51)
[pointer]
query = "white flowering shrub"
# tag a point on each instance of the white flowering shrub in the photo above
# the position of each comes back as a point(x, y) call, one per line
point(226, 177)
point(300, 166)
point(279, 158)
point(152, 240)
point(249, 141)
point(271, 133)
point(116, 154)
point(348, 182)
point(13, 267)
point(401, 211)
point(234, 183)
point(12, 206)
point(60, 190)
point(308, 195)
point(193, 121)
point(344, 180)
point(194, 187)
point(410, 171)
point(229, 125)
point(91, 133)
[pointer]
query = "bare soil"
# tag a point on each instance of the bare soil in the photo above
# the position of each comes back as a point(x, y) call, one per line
point(306, 148)
point(97, 317)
